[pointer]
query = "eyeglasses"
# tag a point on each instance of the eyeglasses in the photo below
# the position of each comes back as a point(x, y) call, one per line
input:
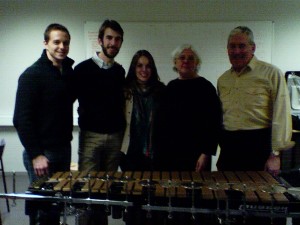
point(188, 58)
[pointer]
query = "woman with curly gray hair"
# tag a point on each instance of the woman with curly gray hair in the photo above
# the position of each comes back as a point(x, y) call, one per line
point(191, 117)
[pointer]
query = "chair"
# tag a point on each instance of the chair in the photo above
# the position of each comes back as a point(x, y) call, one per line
point(3, 174)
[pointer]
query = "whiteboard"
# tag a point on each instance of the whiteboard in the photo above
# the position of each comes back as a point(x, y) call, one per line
point(160, 39)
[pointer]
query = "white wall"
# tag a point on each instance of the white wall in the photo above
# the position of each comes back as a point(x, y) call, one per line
point(23, 22)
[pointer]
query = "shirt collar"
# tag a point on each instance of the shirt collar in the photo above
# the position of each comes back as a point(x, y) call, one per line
point(252, 62)
point(251, 65)
point(100, 62)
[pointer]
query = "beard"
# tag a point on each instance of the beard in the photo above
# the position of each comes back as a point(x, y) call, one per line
point(105, 52)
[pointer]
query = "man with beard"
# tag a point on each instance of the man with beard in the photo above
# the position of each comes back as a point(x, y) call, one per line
point(256, 111)
point(101, 115)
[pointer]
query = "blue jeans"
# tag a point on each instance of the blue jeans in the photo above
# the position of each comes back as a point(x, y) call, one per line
point(46, 213)
point(59, 160)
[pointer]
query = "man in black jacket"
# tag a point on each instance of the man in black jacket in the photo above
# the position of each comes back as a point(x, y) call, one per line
point(43, 113)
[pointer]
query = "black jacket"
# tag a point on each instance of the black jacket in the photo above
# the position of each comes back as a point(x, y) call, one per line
point(43, 113)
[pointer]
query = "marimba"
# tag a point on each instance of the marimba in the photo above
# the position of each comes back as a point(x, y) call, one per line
point(255, 192)
point(225, 194)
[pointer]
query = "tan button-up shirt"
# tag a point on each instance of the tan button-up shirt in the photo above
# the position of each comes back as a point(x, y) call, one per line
point(257, 98)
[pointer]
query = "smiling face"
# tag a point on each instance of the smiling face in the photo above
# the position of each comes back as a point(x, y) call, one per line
point(240, 51)
point(143, 70)
point(111, 43)
point(186, 64)
point(57, 47)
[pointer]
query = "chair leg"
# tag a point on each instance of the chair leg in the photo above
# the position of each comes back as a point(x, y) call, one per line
point(4, 184)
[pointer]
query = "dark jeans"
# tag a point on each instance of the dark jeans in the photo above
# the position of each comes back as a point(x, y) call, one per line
point(59, 160)
point(46, 213)
point(246, 150)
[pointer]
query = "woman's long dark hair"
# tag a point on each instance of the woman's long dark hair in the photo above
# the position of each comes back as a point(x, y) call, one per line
point(154, 81)
point(131, 76)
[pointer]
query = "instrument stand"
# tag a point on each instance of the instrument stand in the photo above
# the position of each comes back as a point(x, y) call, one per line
point(107, 178)
point(168, 185)
point(65, 214)
point(60, 196)
point(244, 188)
point(14, 204)
point(89, 209)
point(71, 209)
point(228, 221)
point(148, 215)
point(192, 186)
point(244, 203)
point(218, 204)
point(149, 184)
point(125, 180)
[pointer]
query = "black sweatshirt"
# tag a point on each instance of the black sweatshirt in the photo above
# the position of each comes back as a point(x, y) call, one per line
point(100, 97)
point(43, 113)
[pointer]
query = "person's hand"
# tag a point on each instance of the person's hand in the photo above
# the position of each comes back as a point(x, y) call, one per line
point(273, 165)
point(201, 162)
point(40, 165)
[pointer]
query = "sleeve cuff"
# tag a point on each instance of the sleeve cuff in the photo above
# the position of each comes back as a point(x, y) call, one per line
point(275, 153)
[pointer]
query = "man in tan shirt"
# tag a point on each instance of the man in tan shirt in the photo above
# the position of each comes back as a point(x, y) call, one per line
point(256, 113)
point(256, 109)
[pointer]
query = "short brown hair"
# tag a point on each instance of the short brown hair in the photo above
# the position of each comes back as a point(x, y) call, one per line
point(114, 25)
point(55, 26)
